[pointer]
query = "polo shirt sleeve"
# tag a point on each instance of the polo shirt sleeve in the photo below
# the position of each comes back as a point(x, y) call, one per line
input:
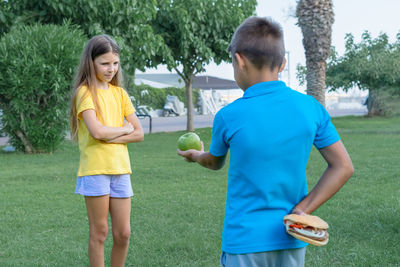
point(84, 102)
point(219, 147)
point(326, 133)
point(128, 106)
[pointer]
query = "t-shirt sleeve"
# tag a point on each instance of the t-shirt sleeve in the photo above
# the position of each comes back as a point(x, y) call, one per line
point(326, 133)
point(219, 146)
point(128, 106)
point(84, 102)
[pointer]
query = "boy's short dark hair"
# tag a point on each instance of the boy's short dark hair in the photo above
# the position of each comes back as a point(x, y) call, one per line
point(260, 40)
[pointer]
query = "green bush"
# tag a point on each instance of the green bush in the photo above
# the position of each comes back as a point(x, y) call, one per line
point(389, 102)
point(37, 64)
point(6, 17)
point(156, 97)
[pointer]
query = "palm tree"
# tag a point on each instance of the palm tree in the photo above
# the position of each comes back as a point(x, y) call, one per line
point(315, 18)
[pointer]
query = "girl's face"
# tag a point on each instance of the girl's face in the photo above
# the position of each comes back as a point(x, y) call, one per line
point(106, 66)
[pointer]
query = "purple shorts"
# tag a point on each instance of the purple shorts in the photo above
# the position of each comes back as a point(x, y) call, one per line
point(118, 186)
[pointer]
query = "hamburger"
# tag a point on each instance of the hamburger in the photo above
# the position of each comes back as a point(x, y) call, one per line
point(307, 228)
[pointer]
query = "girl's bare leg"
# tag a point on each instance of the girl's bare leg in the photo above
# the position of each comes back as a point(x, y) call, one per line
point(120, 211)
point(97, 209)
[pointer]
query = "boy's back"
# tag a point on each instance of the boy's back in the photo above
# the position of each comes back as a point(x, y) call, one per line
point(270, 132)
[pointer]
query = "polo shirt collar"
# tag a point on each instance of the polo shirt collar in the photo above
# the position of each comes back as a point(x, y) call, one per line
point(263, 88)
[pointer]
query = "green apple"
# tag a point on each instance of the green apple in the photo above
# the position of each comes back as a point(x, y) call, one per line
point(189, 141)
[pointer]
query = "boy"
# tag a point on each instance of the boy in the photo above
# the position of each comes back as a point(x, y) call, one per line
point(270, 132)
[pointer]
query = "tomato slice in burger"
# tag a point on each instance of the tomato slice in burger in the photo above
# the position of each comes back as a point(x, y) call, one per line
point(299, 226)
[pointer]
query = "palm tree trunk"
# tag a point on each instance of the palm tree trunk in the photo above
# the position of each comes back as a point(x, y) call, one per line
point(315, 18)
point(316, 80)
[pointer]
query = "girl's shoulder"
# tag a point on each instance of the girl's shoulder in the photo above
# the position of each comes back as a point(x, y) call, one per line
point(82, 91)
point(115, 88)
point(121, 91)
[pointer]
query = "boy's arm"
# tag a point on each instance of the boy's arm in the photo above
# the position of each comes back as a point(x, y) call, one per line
point(136, 136)
point(102, 132)
point(339, 170)
point(205, 159)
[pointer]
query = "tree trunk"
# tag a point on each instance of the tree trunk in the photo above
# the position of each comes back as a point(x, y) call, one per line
point(315, 18)
point(189, 105)
point(375, 104)
point(29, 149)
point(316, 80)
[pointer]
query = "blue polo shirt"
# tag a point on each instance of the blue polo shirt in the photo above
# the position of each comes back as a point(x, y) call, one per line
point(270, 132)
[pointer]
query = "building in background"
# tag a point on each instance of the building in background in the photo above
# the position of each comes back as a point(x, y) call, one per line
point(215, 93)
point(353, 99)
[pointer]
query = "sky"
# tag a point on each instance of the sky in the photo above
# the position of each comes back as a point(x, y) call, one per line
point(351, 16)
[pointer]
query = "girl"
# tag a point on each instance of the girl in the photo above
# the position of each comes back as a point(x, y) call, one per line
point(98, 110)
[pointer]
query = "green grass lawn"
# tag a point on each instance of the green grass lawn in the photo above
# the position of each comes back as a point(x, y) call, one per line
point(178, 207)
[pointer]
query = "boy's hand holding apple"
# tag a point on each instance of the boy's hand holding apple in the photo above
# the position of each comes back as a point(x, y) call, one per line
point(190, 146)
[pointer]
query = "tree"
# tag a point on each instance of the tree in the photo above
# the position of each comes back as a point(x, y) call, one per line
point(195, 32)
point(372, 64)
point(128, 21)
point(315, 18)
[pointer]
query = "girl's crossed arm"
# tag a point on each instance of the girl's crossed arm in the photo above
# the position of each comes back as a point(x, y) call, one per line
point(136, 136)
point(101, 132)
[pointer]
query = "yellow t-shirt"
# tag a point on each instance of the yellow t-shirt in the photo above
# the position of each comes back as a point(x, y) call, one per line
point(98, 157)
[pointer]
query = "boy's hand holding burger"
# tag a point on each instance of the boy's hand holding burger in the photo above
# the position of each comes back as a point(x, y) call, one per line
point(308, 228)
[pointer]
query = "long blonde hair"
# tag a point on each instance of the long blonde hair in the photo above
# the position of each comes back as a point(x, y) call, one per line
point(86, 76)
